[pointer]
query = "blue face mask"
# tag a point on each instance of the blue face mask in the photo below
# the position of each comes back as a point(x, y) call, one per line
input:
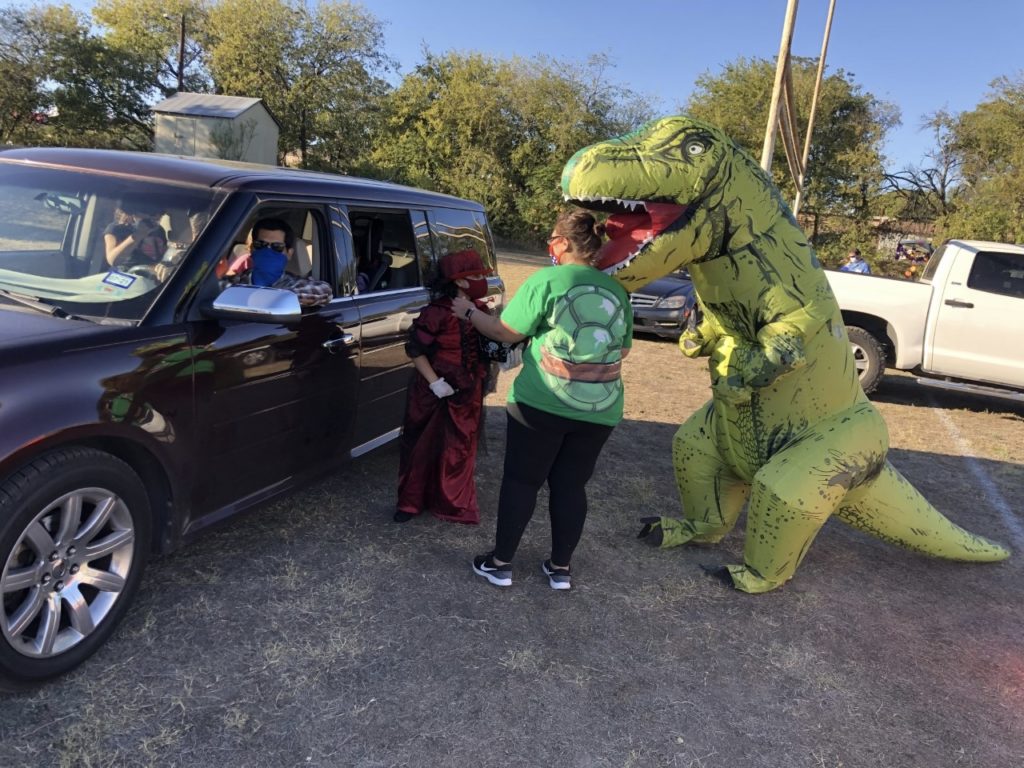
point(267, 266)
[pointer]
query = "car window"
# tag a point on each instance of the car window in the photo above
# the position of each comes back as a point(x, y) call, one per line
point(311, 255)
point(95, 245)
point(995, 272)
point(933, 263)
point(459, 229)
point(386, 249)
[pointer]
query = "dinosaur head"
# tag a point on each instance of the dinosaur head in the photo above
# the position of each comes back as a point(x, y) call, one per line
point(663, 186)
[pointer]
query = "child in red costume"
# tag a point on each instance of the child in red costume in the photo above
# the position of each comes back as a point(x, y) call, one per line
point(445, 400)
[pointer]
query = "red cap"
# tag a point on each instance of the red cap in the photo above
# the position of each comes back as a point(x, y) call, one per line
point(462, 264)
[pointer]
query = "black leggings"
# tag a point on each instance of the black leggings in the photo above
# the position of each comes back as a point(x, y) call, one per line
point(542, 446)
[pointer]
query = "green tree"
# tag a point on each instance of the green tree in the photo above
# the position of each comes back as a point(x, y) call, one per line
point(989, 144)
point(98, 94)
point(151, 29)
point(23, 97)
point(319, 71)
point(499, 131)
point(845, 166)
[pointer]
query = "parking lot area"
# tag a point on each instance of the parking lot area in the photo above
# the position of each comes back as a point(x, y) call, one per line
point(316, 632)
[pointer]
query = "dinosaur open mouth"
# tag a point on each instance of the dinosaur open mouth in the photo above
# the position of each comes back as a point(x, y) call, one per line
point(632, 227)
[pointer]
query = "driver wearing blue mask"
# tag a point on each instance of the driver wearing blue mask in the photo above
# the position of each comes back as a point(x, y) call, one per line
point(271, 250)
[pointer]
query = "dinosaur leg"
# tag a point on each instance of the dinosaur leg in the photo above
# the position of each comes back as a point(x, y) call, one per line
point(891, 509)
point(798, 488)
point(711, 494)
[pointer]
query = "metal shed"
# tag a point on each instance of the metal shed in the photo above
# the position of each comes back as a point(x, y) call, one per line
point(208, 125)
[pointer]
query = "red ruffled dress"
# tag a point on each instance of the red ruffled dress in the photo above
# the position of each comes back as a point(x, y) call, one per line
point(438, 454)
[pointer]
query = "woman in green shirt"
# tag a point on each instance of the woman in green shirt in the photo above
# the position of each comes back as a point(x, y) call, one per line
point(567, 397)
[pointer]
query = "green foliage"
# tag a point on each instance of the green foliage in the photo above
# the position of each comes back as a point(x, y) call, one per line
point(989, 143)
point(99, 93)
point(499, 131)
point(151, 29)
point(844, 168)
point(318, 71)
point(22, 78)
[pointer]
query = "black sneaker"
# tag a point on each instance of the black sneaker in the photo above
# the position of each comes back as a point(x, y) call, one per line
point(498, 575)
point(558, 578)
point(402, 517)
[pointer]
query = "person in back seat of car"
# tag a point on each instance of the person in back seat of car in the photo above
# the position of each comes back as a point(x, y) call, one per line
point(133, 239)
point(272, 250)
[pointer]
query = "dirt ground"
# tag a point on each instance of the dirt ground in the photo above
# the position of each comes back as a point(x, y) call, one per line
point(316, 632)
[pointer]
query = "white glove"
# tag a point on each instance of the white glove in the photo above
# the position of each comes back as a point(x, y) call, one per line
point(442, 388)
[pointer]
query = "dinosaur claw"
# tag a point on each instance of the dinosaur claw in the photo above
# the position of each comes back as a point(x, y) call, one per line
point(652, 532)
point(719, 573)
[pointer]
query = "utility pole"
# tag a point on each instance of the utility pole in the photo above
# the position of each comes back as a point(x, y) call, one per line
point(780, 68)
point(181, 49)
point(801, 183)
point(181, 55)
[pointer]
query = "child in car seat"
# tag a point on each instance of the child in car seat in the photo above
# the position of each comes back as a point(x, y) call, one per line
point(445, 400)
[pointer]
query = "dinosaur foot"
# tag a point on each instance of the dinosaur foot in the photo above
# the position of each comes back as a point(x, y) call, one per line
point(719, 573)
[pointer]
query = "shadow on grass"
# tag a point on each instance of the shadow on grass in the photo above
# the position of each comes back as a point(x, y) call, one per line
point(316, 632)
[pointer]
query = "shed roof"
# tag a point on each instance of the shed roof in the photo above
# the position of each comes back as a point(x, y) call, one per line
point(209, 105)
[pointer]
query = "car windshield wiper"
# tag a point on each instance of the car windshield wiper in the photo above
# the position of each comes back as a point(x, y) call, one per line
point(37, 303)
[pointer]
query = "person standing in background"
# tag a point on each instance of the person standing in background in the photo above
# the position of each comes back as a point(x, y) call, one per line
point(854, 263)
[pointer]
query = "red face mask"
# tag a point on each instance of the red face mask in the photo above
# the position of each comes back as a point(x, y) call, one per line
point(477, 289)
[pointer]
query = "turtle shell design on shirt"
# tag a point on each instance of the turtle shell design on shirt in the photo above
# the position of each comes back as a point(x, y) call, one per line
point(581, 357)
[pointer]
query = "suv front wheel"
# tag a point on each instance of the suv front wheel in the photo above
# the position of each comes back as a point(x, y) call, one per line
point(74, 538)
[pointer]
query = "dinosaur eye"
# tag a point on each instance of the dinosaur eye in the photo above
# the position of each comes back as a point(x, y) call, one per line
point(694, 148)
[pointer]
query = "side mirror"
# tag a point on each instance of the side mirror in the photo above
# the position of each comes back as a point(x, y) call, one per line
point(255, 304)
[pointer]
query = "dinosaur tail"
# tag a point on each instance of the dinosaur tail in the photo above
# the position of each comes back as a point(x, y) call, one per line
point(891, 509)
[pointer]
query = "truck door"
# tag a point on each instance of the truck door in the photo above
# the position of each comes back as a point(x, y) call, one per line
point(979, 320)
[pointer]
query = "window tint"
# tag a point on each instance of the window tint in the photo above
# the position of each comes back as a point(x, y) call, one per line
point(998, 273)
point(459, 229)
point(385, 250)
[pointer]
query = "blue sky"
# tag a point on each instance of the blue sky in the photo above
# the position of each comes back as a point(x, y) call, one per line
point(921, 55)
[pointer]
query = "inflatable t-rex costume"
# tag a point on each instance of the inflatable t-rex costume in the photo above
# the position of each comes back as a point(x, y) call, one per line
point(788, 424)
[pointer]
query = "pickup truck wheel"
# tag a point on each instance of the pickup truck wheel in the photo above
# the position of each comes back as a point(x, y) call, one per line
point(74, 538)
point(867, 356)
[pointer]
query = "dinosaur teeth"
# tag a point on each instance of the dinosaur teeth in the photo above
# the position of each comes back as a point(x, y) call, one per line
point(631, 206)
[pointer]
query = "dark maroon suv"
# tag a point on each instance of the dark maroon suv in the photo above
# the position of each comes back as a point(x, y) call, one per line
point(143, 400)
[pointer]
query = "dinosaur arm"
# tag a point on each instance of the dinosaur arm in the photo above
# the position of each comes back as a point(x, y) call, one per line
point(699, 340)
point(784, 341)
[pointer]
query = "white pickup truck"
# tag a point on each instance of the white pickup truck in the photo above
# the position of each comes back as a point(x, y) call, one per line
point(960, 327)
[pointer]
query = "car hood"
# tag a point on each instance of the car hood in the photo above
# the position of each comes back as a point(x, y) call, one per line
point(26, 328)
point(666, 286)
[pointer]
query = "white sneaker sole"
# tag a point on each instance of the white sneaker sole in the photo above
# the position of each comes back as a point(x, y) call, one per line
point(497, 581)
point(560, 585)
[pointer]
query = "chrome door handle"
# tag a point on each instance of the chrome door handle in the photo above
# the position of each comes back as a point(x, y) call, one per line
point(957, 303)
point(345, 340)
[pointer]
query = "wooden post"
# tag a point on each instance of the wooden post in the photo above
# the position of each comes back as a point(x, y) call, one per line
point(780, 69)
point(814, 108)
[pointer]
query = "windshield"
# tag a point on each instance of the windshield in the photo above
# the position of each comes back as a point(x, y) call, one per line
point(93, 245)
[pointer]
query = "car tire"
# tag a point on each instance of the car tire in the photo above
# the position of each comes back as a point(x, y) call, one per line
point(868, 356)
point(91, 511)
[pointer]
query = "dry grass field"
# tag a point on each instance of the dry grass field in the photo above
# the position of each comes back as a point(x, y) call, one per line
point(316, 632)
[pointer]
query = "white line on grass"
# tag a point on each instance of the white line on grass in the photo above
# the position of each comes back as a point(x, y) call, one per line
point(984, 479)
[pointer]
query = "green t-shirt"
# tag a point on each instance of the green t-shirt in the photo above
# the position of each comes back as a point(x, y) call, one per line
point(578, 320)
